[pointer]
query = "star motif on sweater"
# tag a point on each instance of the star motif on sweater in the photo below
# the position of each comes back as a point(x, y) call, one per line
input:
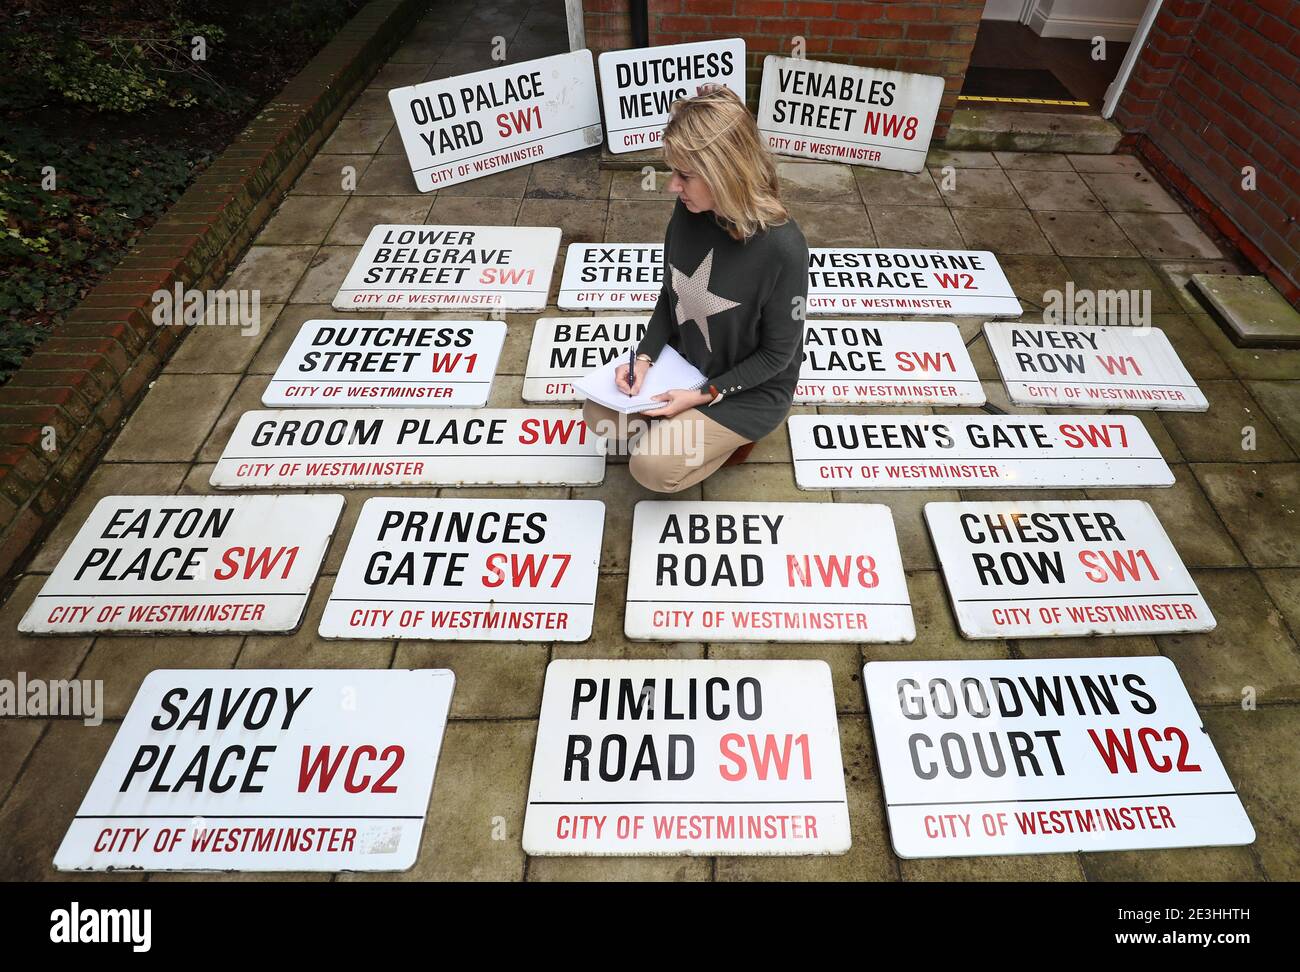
point(694, 301)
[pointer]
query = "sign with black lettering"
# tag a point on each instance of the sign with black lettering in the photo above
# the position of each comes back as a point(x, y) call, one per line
point(1046, 757)
point(469, 570)
point(687, 757)
point(411, 268)
point(707, 571)
point(974, 451)
point(886, 363)
point(845, 113)
point(198, 564)
point(612, 276)
point(1101, 367)
point(253, 770)
point(565, 349)
point(388, 363)
point(410, 447)
point(461, 128)
point(897, 281)
point(638, 86)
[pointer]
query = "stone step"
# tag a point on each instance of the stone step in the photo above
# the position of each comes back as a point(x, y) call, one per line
point(1000, 130)
point(1249, 309)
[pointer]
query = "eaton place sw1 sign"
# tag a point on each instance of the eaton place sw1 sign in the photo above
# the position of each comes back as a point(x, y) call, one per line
point(612, 276)
point(265, 771)
point(565, 349)
point(195, 564)
point(1046, 757)
point(860, 280)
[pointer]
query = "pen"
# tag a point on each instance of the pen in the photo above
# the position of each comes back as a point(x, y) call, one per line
point(631, 367)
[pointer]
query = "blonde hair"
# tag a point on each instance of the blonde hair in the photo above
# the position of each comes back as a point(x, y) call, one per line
point(714, 136)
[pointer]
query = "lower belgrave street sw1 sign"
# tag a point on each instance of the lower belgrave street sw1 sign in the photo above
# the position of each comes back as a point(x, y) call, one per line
point(565, 349)
point(252, 770)
point(861, 280)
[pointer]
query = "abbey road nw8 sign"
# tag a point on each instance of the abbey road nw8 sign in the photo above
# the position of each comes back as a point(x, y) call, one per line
point(985, 451)
point(387, 363)
point(448, 267)
point(1104, 367)
point(845, 113)
point(461, 128)
point(704, 571)
point(637, 87)
point(265, 771)
point(687, 757)
point(1046, 757)
point(469, 570)
point(410, 447)
point(884, 281)
point(565, 349)
point(203, 564)
point(612, 276)
point(886, 363)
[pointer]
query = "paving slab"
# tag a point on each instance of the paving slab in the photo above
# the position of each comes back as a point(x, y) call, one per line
point(323, 276)
point(363, 213)
point(1280, 401)
point(1009, 231)
point(178, 412)
point(937, 637)
point(911, 226)
point(273, 271)
point(882, 187)
point(122, 663)
point(1283, 586)
point(305, 648)
point(833, 224)
point(1130, 192)
point(1084, 234)
point(1167, 236)
point(1260, 506)
point(1038, 161)
point(223, 348)
point(302, 220)
point(817, 181)
point(18, 738)
point(1250, 308)
point(1235, 429)
point(845, 661)
point(494, 680)
point(976, 188)
point(1054, 191)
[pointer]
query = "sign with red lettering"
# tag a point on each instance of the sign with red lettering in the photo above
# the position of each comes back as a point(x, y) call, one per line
point(410, 447)
point(461, 128)
point(687, 757)
point(612, 276)
point(886, 363)
point(197, 564)
point(469, 570)
point(1056, 569)
point(251, 770)
point(708, 571)
point(1046, 757)
point(898, 281)
point(388, 363)
point(1102, 367)
point(411, 268)
point(985, 451)
point(565, 349)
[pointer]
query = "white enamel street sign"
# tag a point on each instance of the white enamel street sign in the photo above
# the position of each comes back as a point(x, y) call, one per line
point(899, 281)
point(845, 113)
point(973, 451)
point(637, 87)
point(886, 363)
point(612, 276)
point(413, 268)
point(565, 349)
point(1103, 367)
point(410, 447)
point(469, 570)
point(709, 571)
point(687, 757)
point(198, 564)
point(1046, 757)
point(388, 363)
point(461, 128)
point(251, 770)
point(1056, 569)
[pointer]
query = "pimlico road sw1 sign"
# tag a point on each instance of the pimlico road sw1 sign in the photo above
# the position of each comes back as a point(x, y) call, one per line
point(565, 349)
point(611, 276)
point(862, 280)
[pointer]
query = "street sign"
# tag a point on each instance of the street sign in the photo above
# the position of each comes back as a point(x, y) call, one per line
point(612, 276)
point(565, 349)
point(858, 280)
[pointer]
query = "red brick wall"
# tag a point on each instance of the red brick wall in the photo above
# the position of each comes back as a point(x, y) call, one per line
point(608, 26)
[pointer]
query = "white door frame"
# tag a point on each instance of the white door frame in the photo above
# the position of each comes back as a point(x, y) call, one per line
point(1135, 46)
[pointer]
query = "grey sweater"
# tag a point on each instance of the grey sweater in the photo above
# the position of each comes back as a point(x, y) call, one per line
point(735, 311)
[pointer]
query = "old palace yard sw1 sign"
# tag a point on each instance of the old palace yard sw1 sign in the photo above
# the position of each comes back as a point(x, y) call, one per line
point(687, 757)
point(565, 349)
point(202, 564)
point(386, 363)
point(265, 771)
point(469, 569)
point(611, 276)
point(1046, 757)
point(883, 281)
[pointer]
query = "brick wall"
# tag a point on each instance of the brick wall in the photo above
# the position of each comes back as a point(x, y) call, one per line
point(608, 25)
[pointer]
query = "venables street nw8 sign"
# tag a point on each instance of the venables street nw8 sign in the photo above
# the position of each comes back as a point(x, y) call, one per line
point(687, 757)
point(985, 451)
point(410, 447)
point(884, 281)
point(844, 113)
point(415, 268)
point(469, 570)
point(1105, 367)
point(386, 363)
point(1053, 569)
point(1046, 757)
point(707, 571)
point(265, 771)
point(202, 564)
point(886, 363)
point(637, 87)
point(565, 349)
point(612, 276)
point(457, 129)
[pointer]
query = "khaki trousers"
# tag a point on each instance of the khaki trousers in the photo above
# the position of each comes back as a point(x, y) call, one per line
point(669, 454)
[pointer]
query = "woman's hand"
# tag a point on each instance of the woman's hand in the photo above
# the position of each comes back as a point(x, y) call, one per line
point(678, 400)
point(620, 376)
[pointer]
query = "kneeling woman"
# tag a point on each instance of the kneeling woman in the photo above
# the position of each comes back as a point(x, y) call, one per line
point(732, 304)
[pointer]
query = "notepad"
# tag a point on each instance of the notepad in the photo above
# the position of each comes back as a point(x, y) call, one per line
point(669, 372)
